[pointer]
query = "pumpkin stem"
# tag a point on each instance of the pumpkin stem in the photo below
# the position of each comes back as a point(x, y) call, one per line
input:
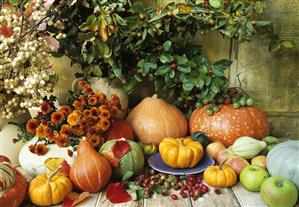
point(53, 174)
point(183, 141)
point(222, 163)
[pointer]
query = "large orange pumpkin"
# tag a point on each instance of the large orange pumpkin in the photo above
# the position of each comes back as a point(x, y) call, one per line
point(229, 123)
point(91, 171)
point(153, 119)
point(119, 129)
point(14, 194)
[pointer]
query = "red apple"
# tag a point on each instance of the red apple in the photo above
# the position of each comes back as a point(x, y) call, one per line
point(119, 129)
point(214, 148)
point(237, 163)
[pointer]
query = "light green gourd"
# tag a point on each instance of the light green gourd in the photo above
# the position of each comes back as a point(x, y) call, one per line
point(248, 147)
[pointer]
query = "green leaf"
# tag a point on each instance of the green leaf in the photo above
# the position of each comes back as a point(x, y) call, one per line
point(181, 60)
point(166, 58)
point(184, 69)
point(146, 66)
point(127, 175)
point(138, 78)
point(120, 20)
point(157, 188)
point(103, 49)
point(172, 74)
point(215, 87)
point(275, 46)
point(117, 72)
point(259, 7)
point(85, 36)
point(199, 82)
point(208, 80)
point(167, 45)
point(157, 17)
point(188, 86)
point(222, 64)
point(14, 2)
point(263, 23)
point(97, 70)
point(201, 138)
point(137, 7)
point(288, 44)
point(216, 3)
point(218, 72)
point(162, 70)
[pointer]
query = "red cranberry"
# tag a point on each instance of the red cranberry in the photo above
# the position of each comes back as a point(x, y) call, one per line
point(173, 65)
point(194, 187)
point(184, 187)
point(194, 198)
point(174, 197)
point(199, 179)
point(183, 194)
point(210, 73)
point(191, 193)
point(217, 191)
point(204, 188)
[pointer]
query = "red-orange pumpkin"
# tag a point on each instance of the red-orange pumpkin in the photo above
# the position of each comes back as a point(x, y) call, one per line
point(91, 171)
point(229, 123)
point(15, 194)
point(119, 129)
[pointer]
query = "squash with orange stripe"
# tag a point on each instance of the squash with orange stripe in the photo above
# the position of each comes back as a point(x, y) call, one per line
point(91, 171)
point(181, 152)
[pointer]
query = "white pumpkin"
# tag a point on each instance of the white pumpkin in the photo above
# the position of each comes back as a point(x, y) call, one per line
point(108, 88)
point(34, 164)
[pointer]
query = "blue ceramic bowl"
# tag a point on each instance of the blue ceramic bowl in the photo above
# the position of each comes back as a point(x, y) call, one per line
point(156, 162)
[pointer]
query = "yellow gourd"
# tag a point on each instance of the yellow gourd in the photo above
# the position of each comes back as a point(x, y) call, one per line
point(220, 176)
point(49, 189)
point(181, 152)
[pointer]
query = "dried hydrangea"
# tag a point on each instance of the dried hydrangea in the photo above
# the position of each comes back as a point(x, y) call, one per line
point(25, 72)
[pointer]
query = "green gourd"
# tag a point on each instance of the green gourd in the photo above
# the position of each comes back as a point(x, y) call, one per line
point(283, 160)
point(248, 147)
point(133, 160)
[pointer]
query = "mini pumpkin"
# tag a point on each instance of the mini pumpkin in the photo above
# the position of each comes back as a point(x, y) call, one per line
point(181, 152)
point(220, 176)
point(49, 189)
point(13, 185)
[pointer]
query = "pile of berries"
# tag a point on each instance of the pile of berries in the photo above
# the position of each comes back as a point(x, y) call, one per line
point(187, 186)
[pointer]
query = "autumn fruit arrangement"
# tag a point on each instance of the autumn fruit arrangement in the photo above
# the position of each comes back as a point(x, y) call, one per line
point(105, 155)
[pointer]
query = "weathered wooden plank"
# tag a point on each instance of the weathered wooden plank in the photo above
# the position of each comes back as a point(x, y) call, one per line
point(103, 202)
point(211, 199)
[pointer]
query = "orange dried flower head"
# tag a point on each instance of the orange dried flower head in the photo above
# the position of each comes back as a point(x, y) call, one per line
point(105, 124)
point(83, 84)
point(74, 118)
point(42, 131)
point(88, 90)
point(32, 148)
point(104, 114)
point(77, 131)
point(92, 101)
point(100, 97)
point(87, 113)
point(57, 117)
point(66, 109)
point(103, 107)
point(41, 149)
point(78, 105)
point(113, 111)
point(66, 129)
point(31, 126)
point(45, 108)
point(95, 140)
point(52, 136)
point(63, 140)
point(94, 111)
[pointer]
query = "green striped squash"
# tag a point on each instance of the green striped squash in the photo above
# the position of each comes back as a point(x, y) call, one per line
point(7, 177)
point(133, 160)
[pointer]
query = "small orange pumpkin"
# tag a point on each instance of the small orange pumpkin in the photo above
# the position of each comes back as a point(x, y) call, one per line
point(91, 171)
point(229, 123)
point(220, 176)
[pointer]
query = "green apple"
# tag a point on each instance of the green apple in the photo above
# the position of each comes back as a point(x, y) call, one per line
point(278, 191)
point(252, 177)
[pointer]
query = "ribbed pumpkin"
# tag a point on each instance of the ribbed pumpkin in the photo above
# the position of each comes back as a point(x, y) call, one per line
point(180, 152)
point(154, 119)
point(229, 123)
point(91, 171)
point(13, 185)
point(283, 160)
point(133, 160)
point(220, 176)
point(49, 189)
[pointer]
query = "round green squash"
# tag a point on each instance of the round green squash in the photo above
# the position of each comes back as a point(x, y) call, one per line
point(133, 160)
point(283, 160)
